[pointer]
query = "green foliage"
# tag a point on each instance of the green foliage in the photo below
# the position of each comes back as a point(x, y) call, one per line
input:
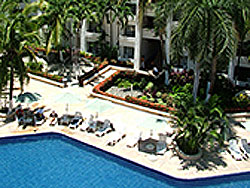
point(18, 31)
point(124, 84)
point(158, 94)
point(199, 123)
point(35, 66)
point(242, 100)
point(144, 97)
point(150, 85)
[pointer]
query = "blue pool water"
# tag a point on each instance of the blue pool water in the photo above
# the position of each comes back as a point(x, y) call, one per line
point(53, 160)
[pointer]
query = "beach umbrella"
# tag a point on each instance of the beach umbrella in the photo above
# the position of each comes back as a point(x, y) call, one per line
point(27, 98)
point(67, 98)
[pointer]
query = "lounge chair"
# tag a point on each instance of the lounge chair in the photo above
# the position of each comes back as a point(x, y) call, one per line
point(133, 141)
point(115, 138)
point(161, 146)
point(87, 123)
point(234, 150)
point(76, 121)
point(106, 128)
point(245, 147)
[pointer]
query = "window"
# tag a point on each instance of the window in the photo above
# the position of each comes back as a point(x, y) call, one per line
point(132, 7)
point(148, 22)
point(92, 28)
point(129, 31)
point(128, 52)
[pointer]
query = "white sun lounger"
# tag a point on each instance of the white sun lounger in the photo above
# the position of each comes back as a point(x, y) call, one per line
point(115, 138)
point(245, 147)
point(234, 150)
point(87, 123)
point(133, 141)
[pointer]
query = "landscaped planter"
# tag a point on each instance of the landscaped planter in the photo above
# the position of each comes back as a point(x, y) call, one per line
point(104, 85)
point(186, 156)
point(56, 78)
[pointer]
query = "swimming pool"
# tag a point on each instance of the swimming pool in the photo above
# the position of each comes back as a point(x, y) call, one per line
point(54, 160)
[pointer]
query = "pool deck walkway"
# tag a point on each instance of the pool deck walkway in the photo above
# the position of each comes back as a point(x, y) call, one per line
point(129, 119)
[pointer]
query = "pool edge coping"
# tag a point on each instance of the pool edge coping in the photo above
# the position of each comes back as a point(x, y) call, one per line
point(128, 160)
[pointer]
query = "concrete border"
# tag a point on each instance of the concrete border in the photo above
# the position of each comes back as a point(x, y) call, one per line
point(137, 107)
point(46, 80)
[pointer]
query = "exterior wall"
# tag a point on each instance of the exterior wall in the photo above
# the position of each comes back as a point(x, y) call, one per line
point(121, 39)
point(143, 35)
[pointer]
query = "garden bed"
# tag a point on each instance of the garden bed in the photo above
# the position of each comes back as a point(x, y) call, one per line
point(123, 92)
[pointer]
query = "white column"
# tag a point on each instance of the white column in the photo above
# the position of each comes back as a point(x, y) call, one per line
point(168, 38)
point(83, 42)
point(138, 37)
point(231, 68)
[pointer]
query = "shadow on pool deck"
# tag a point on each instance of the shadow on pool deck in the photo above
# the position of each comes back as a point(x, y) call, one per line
point(209, 161)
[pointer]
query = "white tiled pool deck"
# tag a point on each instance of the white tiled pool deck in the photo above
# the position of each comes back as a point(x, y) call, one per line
point(169, 163)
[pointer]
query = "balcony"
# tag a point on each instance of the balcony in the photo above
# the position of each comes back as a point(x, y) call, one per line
point(149, 11)
point(92, 36)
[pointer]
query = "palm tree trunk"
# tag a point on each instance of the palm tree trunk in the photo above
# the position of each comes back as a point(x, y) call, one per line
point(11, 86)
point(163, 55)
point(196, 80)
point(110, 29)
point(168, 38)
point(213, 75)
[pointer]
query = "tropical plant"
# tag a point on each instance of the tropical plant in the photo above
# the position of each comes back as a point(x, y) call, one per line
point(205, 30)
point(19, 30)
point(55, 17)
point(199, 124)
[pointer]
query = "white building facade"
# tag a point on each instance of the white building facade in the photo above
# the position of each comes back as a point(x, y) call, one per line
point(134, 43)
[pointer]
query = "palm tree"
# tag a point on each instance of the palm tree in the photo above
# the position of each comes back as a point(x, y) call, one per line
point(18, 31)
point(55, 16)
point(240, 14)
point(206, 29)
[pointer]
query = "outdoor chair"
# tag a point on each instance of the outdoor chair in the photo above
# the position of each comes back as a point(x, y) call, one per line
point(76, 121)
point(104, 129)
point(115, 138)
point(234, 150)
point(245, 147)
point(133, 141)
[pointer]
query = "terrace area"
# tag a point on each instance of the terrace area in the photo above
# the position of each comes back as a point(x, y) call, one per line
point(129, 120)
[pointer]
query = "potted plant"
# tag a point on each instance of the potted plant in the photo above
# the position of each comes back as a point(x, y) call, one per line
point(199, 123)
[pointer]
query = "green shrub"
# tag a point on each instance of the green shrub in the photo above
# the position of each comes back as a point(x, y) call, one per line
point(144, 97)
point(158, 94)
point(200, 123)
point(35, 66)
point(164, 96)
point(150, 85)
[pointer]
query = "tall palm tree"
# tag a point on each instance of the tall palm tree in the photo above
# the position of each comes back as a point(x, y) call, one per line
point(206, 29)
point(55, 16)
point(18, 31)
point(240, 14)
